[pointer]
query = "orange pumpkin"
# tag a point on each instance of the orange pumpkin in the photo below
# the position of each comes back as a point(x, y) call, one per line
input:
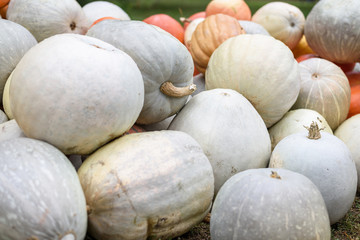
point(354, 80)
point(101, 19)
point(235, 8)
point(3, 7)
point(209, 34)
point(302, 48)
point(188, 20)
point(168, 24)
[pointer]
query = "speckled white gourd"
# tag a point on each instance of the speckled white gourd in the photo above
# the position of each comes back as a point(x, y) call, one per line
point(229, 129)
point(76, 93)
point(253, 205)
point(45, 18)
point(160, 57)
point(15, 41)
point(150, 185)
point(41, 195)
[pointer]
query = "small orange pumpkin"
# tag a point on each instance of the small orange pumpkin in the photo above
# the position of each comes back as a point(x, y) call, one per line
point(209, 34)
point(3, 7)
point(235, 8)
point(188, 20)
point(354, 80)
point(168, 24)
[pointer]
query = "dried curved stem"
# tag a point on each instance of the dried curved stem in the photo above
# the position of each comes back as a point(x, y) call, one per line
point(170, 90)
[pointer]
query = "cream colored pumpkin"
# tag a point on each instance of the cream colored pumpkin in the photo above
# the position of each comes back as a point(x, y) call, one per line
point(283, 21)
point(325, 89)
point(165, 63)
point(229, 130)
point(15, 41)
point(6, 98)
point(259, 67)
point(45, 18)
point(349, 133)
point(150, 185)
point(294, 122)
point(76, 92)
point(10, 129)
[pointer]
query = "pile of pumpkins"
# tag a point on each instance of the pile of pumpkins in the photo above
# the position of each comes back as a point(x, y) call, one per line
point(129, 129)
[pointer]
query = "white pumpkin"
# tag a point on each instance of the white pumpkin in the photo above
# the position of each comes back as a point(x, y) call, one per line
point(165, 63)
point(150, 185)
point(15, 41)
point(349, 133)
point(41, 195)
point(325, 89)
point(251, 27)
point(199, 81)
point(229, 130)
point(45, 18)
point(3, 117)
point(326, 161)
point(98, 9)
point(10, 129)
point(271, 204)
point(76, 92)
point(332, 30)
point(294, 122)
point(272, 86)
point(283, 21)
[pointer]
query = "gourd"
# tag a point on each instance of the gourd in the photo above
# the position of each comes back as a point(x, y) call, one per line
point(349, 132)
point(354, 81)
point(251, 27)
point(10, 129)
point(168, 24)
point(4, 4)
point(231, 132)
point(187, 21)
point(272, 87)
point(3, 117)
point(6, 100)
point(332, 34)
point(283, 21)
point(293, 122)
point(47, 18)
point(235, 8)
point(269, 203)
point(167, 71)
point(302, 48)
point(15, 41)
point(326, 161)
point(209, 34)
point(325, 89)
point(149, 185)
point(41, 193)
point(76, 93)
point(98, 9)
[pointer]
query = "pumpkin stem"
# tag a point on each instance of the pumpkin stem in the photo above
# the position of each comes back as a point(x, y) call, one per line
point(274, 174)
point(185, 20)
point(314, 131)
point(170, 90)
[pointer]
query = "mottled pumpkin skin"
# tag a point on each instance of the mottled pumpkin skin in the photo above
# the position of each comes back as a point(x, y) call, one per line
point(41, 195)
point(15, 41)
point(332, 30)
point(154, 185)
point(209, 34)
point(325, 89)
point(349, 133)
point(231, 132)
point(47, 18)
point(76, 92)
point(160, 58)
point(272, 87)
point(254, 205)
point(327, 162)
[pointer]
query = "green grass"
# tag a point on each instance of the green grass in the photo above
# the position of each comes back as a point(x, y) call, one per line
point(141, 9)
